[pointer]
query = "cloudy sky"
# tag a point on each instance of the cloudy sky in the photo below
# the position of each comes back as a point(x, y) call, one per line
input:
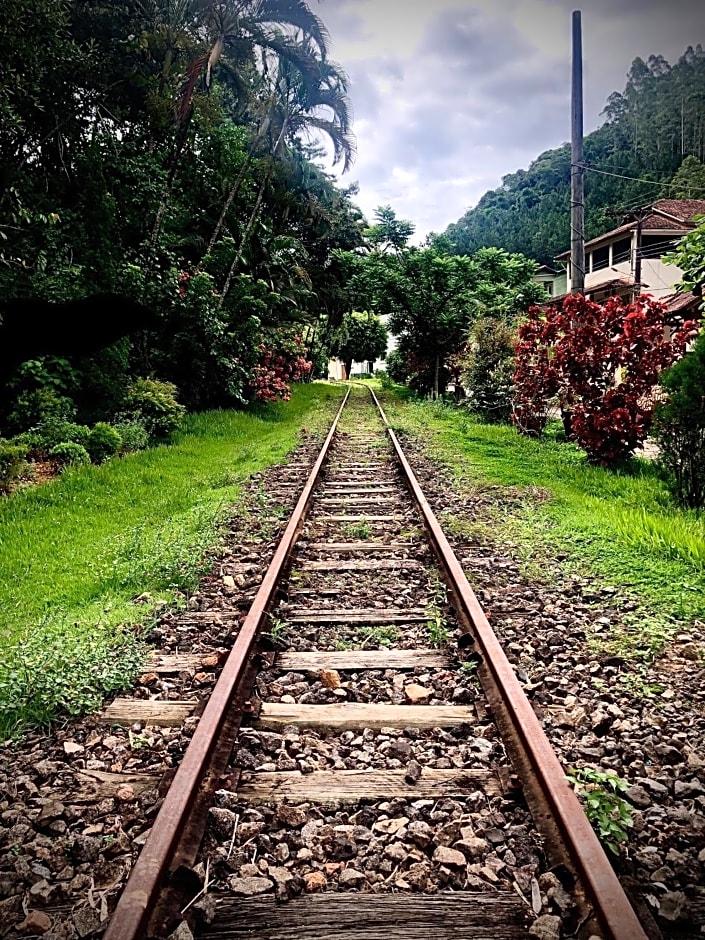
point(450, 95)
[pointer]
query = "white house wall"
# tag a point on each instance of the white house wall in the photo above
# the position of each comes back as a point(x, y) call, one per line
point(661, 278)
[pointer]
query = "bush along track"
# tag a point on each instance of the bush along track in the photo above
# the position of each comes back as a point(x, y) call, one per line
point(619, 693)
point(67, 829)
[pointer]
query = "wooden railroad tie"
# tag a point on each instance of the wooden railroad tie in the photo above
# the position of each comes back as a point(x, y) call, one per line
point(343, 615)
point(126, 711)
point(358, 517)
point(347, 787)
point(357, 660)
point(361, 546)
point(387, 564)
point(448, 915)
point(353, 716)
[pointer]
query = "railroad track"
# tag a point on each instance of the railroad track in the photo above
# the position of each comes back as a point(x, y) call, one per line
point(367, 761)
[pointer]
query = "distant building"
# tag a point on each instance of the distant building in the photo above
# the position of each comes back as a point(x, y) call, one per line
point(336, 370)
point(553, 282)
point(634, 251)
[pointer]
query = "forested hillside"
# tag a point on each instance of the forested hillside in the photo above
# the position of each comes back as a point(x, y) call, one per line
point(656, 123)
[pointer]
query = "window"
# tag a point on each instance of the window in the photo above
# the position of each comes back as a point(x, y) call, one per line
point(622, 250)
point(600, 258)
point(655, 246)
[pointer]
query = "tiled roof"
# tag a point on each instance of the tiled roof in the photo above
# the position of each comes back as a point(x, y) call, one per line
point(670, 215)
point(683, 209)
point(683, 302)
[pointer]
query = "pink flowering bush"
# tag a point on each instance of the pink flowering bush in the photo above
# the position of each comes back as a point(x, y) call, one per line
point(281, 362)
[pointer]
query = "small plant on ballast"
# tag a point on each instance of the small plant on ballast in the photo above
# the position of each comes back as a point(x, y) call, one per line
point(358, 530)
point(435, 621)
point(436, 626)
point(609, 814)
point(469, 667)
point(382, 636)
point(278, 628)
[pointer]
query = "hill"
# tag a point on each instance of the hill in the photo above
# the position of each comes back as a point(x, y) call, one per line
point(650, 131)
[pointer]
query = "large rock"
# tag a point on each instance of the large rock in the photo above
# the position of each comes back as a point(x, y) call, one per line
point(449, 857)
point(546, 927)
point(351, 878)
point(249, 887)
point(315, 881)
point(292, 816)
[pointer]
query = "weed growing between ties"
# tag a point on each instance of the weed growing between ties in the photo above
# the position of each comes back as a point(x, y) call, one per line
point(436, 625)
point(378, 636)
point(278, 629)
point(609, 814)
point(75, 553)
point(552, 509)
point(358, 530)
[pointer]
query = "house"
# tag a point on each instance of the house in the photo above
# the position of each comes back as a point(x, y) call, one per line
point(552, 281)
point(628, 260)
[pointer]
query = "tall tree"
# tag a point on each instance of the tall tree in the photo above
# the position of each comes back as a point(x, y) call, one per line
point(299, 106)
point(433, 299)
point(262, 27)
point(363, 338)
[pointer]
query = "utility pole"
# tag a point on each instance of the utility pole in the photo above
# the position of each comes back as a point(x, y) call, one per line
point(577, 172)
point(639, 215)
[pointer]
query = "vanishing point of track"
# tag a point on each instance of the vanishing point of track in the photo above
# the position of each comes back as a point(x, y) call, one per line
point(362, 485)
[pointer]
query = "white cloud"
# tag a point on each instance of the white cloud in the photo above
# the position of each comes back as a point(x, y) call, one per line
point(451, 95)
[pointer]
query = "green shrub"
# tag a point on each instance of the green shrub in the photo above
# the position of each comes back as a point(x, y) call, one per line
point(153, 404)
point(488, 370)
point(679, 427)
point(12, 461)
point(134, 435)
point(397, 367)
point(68, 453)
point(37, 405)
point(53, 431)
point(103, 442)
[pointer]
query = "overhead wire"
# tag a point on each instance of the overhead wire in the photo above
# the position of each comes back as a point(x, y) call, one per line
point(637, 179)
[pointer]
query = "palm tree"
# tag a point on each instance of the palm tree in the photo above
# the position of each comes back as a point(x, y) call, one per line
point(248, 29)
point(300, 107)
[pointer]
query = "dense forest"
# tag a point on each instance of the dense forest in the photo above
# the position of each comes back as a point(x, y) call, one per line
point(651, 130)
point(161, 157)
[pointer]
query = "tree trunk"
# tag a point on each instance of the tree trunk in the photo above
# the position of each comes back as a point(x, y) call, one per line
point(169, 185)
point(235, 188)
point(347, 364)
point(243, 241)
point(436, 373)
point(252, 220)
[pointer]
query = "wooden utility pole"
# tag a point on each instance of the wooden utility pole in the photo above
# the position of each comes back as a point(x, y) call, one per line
point(577, 172)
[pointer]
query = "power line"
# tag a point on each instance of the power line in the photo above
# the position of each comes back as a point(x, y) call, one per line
point(637, 179)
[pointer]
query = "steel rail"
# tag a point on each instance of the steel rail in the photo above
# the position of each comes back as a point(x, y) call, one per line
point(131, 915)
point(611, 905)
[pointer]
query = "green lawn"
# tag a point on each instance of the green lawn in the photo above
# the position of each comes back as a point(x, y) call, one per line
point(622, 526)
point(75, 552)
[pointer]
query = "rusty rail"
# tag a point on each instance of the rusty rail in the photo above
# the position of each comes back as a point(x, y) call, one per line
point(610, 903)
point(149, 874)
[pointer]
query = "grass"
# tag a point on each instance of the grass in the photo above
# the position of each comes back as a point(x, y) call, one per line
point(382, 636)
point(75, 553)
point(544, 499)
point(358, 530)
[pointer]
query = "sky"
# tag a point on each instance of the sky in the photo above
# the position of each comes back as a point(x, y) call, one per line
point(451, 95)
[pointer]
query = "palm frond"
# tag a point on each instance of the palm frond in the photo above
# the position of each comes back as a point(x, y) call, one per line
point(298, 14)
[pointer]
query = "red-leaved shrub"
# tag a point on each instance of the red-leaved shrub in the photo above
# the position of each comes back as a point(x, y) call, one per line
point(601, 362)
